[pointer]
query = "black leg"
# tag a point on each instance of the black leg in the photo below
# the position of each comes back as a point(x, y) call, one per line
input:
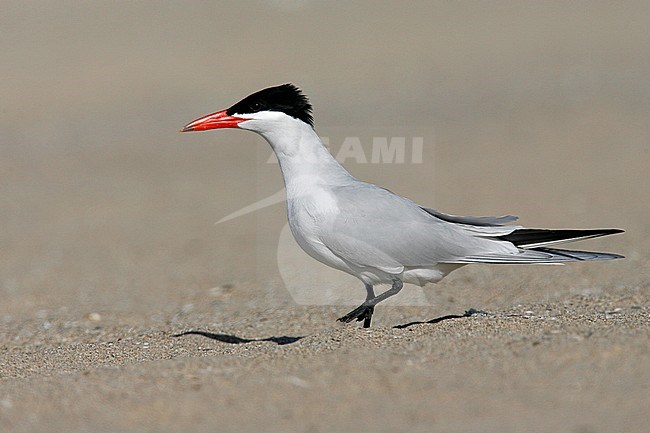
point(368, 318)
point(365, 310)
point(370, 294)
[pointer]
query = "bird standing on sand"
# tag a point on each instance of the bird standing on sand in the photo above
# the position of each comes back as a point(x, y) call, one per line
point(368, 231)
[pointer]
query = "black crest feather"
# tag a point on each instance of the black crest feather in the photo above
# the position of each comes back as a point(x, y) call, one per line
point(286, 98)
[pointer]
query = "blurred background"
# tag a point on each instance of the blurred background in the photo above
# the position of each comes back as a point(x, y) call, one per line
point(540, 109)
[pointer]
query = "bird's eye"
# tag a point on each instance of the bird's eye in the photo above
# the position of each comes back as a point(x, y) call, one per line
point(257, 106)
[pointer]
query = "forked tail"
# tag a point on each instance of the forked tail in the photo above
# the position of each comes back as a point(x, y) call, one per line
point(539, 239)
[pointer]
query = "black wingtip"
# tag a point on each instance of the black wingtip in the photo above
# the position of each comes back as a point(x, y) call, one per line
point(543, 237)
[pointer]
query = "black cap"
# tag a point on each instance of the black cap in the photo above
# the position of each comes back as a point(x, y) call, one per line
point(286, 98)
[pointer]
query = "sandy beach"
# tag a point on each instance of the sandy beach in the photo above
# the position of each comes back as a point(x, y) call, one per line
point(127, 307)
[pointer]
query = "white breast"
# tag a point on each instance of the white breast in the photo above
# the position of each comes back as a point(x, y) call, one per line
point(310, 213)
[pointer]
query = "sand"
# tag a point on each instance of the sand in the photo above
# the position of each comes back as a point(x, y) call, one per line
point(126, 308)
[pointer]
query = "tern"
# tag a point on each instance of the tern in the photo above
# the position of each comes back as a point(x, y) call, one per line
point(368, 231)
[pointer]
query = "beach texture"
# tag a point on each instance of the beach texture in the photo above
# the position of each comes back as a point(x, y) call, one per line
point(126, 308)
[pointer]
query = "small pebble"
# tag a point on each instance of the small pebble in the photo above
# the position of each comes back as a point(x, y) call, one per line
point(94, 317)
point(301, 383)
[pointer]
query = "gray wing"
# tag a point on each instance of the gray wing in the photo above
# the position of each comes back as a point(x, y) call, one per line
point(377, 228)
point(487, 221)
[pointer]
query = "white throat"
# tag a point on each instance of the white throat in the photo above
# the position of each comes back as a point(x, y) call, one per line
point(304, 161)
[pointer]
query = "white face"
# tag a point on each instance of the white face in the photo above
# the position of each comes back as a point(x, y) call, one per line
point(266, 121)
point(285, 134)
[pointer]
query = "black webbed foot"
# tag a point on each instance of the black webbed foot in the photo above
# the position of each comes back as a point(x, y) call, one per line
point(363, 312)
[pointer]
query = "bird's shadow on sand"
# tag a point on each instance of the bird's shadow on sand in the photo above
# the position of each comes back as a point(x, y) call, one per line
point(468, 313)
point(281, 341)
point(233, 339)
